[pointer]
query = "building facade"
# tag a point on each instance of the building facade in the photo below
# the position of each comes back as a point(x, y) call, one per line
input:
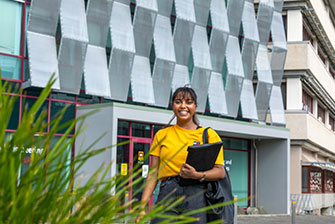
point(126, 57)
point(310, 102)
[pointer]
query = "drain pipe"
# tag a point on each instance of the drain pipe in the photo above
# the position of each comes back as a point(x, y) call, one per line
point(256, 171)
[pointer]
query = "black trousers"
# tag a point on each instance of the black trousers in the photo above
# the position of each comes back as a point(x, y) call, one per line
point(194, 199)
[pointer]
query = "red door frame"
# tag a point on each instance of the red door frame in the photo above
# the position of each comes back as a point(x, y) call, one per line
point(134, 139)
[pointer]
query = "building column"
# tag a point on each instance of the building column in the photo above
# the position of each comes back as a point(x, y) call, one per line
point(315, 107)
point(294, 91)
point(294, 25)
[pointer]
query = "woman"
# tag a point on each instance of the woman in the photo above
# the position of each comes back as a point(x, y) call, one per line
point(168, 156)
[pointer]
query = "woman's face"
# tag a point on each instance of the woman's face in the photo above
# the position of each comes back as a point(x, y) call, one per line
point(184, 107)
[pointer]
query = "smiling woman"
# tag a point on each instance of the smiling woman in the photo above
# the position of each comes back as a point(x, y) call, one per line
point(168, 156)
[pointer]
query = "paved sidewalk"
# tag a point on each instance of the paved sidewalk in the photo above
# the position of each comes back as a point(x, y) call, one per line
point(284, 219)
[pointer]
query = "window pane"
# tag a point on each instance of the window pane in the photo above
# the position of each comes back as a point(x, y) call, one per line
point(26, 26)
point(10, 26)
point(10, 66)
point(56, 108)
point(316, 180)
point(329, 181)
point(157, 128)
point(231, 143)
point(141, 130)
point(321, 114)
point(237, 163)
point(123, 128)
point(26, 72)
point(14, 119)
point(304, 182)
point(29, 102)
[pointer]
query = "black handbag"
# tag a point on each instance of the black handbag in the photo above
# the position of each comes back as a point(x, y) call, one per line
point(219, 192)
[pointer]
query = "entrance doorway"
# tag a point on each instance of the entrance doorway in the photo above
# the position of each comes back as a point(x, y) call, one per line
point(133, 161)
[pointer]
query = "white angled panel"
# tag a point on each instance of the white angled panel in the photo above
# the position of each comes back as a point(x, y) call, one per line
point(96, 76)
point(202, 66)
point(234, 10)
point(183, 30)
point(43, 17)
point(98, 16)
point(165, 7)
point(219, 34)
point(180, 77)
point(216, 94)
point(201, 9)
point(122, 52)
point(264, 84)
point(165, 61)
point(73, 20)
point(235, 75)
point(264, 19)
point(144, 22)
point(121, 28)
point(276, 107)
point(42, 63)
point(279, 49)
point(248, 102)
point(41, 33)
point(162, 80)
point(163, 39)
point(141, 81)
point(72, 50)
point(200, 48)
point(96, 72)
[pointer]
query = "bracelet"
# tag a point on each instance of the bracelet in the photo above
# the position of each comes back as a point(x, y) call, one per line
point(202, 179)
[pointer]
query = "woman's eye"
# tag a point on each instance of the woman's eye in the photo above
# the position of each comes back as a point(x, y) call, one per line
point(189, 101)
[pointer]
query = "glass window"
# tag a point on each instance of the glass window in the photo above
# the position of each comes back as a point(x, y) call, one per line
point(10, 66)
point(14, 119)
point(329, 181)
point(56, 108)
point(157, 128)
point(123, 128)
point(237, 163)
point(321, 114)
point(27, 103)
point(231, 143)
point(26, 27)
point(316, 180)
point(141, 130)
point(26, 71)
point(305, 179)
point(332, 123)
point(307, 102)
point(10, 26)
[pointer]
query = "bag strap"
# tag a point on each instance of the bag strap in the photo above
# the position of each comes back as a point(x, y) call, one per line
point(205, 136)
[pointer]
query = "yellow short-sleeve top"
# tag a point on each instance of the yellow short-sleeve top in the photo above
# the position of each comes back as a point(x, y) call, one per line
point(170, 145)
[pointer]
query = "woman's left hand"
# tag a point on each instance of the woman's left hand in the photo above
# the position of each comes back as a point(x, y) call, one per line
point(188, 172)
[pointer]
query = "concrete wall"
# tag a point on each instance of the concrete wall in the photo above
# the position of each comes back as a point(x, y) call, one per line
point(304, 126)
point(323, 15)
point(302, 56)
point(273, 166)
point(96, 126)
point(296, 152)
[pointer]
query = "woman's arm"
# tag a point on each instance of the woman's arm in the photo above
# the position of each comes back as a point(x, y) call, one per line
point(151, 181)
point(217, 172)
point(150, 185)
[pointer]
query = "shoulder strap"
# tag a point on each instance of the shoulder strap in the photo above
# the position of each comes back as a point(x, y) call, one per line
point(205, 136)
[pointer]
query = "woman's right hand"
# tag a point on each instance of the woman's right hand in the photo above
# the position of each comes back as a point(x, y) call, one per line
point(139, 217)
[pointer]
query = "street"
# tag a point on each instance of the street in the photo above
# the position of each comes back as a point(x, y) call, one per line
point(280, 219)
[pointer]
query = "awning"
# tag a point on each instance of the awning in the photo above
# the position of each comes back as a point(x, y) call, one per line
point(323, 165)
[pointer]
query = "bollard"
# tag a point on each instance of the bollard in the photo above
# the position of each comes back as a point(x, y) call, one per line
point(235, 210)
point(293, 211)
